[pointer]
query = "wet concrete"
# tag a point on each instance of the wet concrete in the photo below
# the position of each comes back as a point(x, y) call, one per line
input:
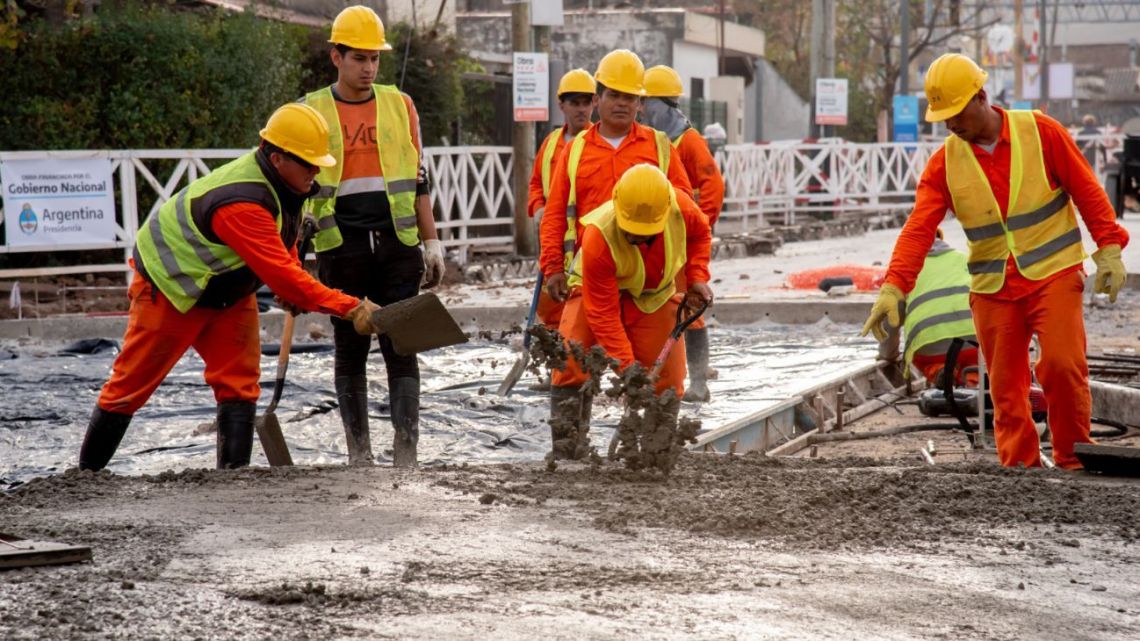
point(48, 398)
point(724, 548)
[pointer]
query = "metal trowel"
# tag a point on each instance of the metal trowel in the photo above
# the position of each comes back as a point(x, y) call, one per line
point(417, 324)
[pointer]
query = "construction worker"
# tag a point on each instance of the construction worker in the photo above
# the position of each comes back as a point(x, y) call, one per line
point(1013, 178)
point(590, 165)
point(936, 312)
point(197, 264)
point(576, 102)
point(372, 213)
point(661, 110)
point(622, 293)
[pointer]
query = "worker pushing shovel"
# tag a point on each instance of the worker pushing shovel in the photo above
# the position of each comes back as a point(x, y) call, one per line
point(623, 296)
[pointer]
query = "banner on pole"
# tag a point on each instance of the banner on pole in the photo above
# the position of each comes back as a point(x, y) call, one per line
point(52, 202)
point(531, 87)
point(831, 101)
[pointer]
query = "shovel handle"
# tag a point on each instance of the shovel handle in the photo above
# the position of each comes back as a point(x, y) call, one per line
point(282, 360)
point(533, 308)
point(683, 323)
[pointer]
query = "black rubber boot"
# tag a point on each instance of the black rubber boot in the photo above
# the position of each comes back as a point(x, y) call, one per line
point(352, 396)
point(235, 433)
point(570, 411)
point(104, 433)
point(405, 398)
point(697, 358)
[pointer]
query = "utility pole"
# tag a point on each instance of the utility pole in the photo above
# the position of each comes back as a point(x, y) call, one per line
point(1017, 72)
point(720, 42)
point(1043, 55)
point(822, 52)
point(522, 139)
point(904, 47)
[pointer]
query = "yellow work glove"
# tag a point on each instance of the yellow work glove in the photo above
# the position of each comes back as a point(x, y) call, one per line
point(1110, 274)
point(361, 317)
point(886, 306)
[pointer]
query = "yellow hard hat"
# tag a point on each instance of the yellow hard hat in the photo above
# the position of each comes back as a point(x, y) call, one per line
point(621, 70)
point(663, 82)
point(951, 81)
point(642, 199)
point(302, 131)
point(576, 81)
point(359, 27)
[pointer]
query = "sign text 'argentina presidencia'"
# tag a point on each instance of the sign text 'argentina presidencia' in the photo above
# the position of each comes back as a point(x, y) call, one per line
point(58, 202)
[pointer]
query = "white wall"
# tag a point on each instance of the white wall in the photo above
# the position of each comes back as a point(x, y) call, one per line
point(730, 89)
point(691, 61)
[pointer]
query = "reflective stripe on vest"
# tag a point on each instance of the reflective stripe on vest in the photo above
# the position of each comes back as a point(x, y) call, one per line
point(1041, 230)
point(399, 163)
point(629, 265)
point(176, 255)
point(548, 158)
point(938, 308)
point(570, 239)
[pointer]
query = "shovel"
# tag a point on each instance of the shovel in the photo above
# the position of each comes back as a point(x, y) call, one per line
point(268, 427)
point(662, 356)
point(520, 365)
point(417, 324)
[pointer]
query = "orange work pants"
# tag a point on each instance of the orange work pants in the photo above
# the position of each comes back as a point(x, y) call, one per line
point(1054, 314)
point(549, 311)
point(647, 333)
point(158, 335)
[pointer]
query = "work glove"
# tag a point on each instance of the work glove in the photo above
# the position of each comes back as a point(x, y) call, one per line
point(361, 317)
point(1110, 274)
point(433, 263)
point(698, 294)
point(287, 306)
point(886, 306)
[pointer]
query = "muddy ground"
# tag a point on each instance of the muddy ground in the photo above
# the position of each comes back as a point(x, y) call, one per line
point(741, 547)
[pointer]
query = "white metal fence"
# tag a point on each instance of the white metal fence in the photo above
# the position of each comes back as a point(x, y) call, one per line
point(773, 183)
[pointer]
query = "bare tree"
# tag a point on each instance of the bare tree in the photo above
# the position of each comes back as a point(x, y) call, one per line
point(868, 35)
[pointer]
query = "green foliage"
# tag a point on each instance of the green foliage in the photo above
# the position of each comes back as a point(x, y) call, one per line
point(430, 75)
point(147, 77)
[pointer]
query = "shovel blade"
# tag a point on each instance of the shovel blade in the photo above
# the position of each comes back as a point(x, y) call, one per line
point(272, 440)
point(514, 375)
point(417, 324)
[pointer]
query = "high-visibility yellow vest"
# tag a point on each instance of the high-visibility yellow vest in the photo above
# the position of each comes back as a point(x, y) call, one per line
point(1041, 230)
point(630, 267)
point(938, 308)
point(570, 239)
point(177, 255)
point(548, 158)
point(399, 162)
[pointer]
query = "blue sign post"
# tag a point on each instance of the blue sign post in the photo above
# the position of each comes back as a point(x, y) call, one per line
point(906, 118)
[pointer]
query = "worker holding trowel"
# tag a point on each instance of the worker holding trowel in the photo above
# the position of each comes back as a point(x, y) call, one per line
point(1015, 180)
point(198, 262)
point(589, 166)
point(661, 110)
point(372, 213)
point(576, 102)
point(623, 293)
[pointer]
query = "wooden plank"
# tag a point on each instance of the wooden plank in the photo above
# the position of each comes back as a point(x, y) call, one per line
point(16, 552)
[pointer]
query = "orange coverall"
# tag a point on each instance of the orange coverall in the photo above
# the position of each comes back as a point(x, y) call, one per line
point(598, 171)
point(599, 313)
point(1006, 320)
point(704, 175)
point(549, 310)
point(227, 339)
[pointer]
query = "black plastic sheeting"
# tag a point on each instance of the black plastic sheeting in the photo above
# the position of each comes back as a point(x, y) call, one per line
point(49, 392)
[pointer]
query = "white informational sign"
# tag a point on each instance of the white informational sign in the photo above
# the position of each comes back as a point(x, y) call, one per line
point(1060, 81)
point(531, 87)
point(546, 13)
point(52, 202)
point(831, 101)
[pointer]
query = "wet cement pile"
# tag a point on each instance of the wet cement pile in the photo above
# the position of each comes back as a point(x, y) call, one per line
point(833, 504)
